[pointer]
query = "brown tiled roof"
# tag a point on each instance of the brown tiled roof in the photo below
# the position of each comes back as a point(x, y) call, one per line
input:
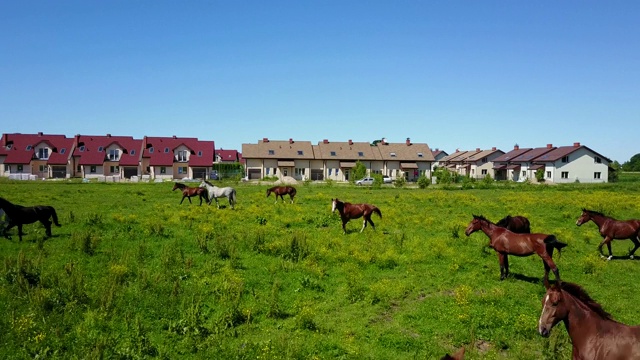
point(561, 152)
point(482, 154)
point(511, 155)
point(348, 150)
point(460, 156)
point(531, 154)
point(406, 151)
point(453, 156)
point(278, 149)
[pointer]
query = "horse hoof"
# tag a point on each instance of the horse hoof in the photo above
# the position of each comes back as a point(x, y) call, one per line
point(631, 257)
point(610, 257)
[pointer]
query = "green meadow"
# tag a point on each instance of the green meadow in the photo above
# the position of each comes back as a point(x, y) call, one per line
point(131, 274)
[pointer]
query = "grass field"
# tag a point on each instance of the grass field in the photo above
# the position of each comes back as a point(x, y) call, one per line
point(131, 274)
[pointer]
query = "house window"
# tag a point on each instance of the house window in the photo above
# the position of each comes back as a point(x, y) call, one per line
point(19, 168)
point(337, 172)
point(182, 170)
point(420, 155)
point(93, 169)
point(100, 148)
point(300, 152)
point(151, 150)
point(333, 153)
point(360, 153)
point(43, 153)
point(200, 153)
point(267, 170)
point(272, 152)
point(300, 171)
point(484, 160)
point(392, 154)
point(163, 170)
point(114, 154)
point(42, 168)
point(596, 175)
point(29, 147)
point(182, 156)
point(329, 171)
point(63, 150)
point(565, 159)
point(166, 150)
point(524, 173)
point(78, 168)
point(114, 169)
point(564, 175)
point(132, 151)
point(484, 171)
point(597, 160)
point(82, 148)
point(548, 174)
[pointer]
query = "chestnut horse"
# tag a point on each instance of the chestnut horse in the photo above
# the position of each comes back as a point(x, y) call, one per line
point(612, 229)
point(188, 192)
point(281, 191)
point(20, 215)
point(594, 334)
point(506, 242)
point(517, 224)
point(350, 211)
point(457, 356)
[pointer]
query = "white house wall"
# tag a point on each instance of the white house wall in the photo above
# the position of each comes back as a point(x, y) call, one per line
point(581, 167)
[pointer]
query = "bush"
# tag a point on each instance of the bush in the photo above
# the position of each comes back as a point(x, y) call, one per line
point(540, 175)
point(423, 182)
point(399, 182)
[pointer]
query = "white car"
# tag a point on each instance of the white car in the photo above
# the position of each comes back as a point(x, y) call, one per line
point(365, 181)
point(386, 180)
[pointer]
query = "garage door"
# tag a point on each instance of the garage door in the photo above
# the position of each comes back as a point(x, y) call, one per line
point(59, 172)
point(199, 173)
point(254, 174)
point(130, 171)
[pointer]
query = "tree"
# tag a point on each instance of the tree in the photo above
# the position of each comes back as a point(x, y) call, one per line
point(358, 172)
point(633, 164)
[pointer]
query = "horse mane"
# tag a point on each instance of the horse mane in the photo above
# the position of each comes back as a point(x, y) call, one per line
point(208, 183)
point(481, 217)
point(593, 212)
point(580, 294)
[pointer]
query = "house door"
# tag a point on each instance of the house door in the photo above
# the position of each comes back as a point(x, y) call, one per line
point(346, 175)
point(285, 172)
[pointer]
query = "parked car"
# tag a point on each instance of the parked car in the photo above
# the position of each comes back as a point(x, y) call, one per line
point(364, 181)
point(386, 180)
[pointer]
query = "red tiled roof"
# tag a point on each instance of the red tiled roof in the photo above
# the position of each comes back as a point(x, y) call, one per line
point(531, 154)
point(562, 151)
point(91, 149)
point(227, 155)
point(20, 148)
point(511, 155)
point(159, 150)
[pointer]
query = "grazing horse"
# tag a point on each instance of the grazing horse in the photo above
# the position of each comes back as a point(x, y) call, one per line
point(594, 334)
point(350, 211)
point(612, 229)
point(188, 192)
point(281, 191)
point(506, 242)
point(20, 215)
point(517, 224)
point(216, 192)
point(457, 356)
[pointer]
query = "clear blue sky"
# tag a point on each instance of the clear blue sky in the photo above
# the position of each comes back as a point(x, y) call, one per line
point(453, 74)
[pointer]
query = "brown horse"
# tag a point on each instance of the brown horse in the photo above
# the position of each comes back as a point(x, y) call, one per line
point(20, 215)
point(188, 192)
point(506, 242)
point(457, 356)
point(350, 211)
point(517, 224)
point(612, 229)
point(281, 191)
point(594, 334)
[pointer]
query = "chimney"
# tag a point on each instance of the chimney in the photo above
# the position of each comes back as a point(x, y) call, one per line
point(325, 141)
point(516, 147)
point(40, 133)
point(576, 144)
point(350, 142)
point(408, 141)
point(265, 140)
point(290, 141)
point(549, 146)
point(493, 148)
point(477, 149)
point(384, 141)
point(175, 137)
point(108, 135)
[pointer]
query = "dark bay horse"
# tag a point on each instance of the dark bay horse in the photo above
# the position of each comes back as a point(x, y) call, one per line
point(612, 229)
point(188, 192)
point(517, 224)
point(459, 355)
point(594, 334)
point(506, 242)
point(281, 191)
point(350, 211)
point(20, 215)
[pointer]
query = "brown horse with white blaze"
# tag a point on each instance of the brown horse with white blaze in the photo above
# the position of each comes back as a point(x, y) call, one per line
point(506, 242)
point(612, 229)
point(188, 192)
point(350, 211)
point(594, 334)
point(281, 191)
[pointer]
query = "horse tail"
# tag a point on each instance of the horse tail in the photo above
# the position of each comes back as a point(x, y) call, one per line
point(233, 196)
point(54, 216)
point(293, 191)
point(377, 211)
point(553, 242)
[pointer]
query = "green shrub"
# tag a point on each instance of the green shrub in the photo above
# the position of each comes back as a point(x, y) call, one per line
point(423, 182)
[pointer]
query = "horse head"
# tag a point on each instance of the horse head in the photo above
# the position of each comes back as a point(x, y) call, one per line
point(336, 205)
point(554, 309)
point(475, 224)
point(584, 217)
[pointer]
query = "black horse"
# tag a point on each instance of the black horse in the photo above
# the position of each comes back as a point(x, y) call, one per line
point(20, 215)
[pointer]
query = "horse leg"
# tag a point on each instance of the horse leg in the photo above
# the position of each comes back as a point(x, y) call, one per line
point(5, 232)
point(189, 198)
point(364, 224)
point(344, 225)
point(20, 232)
point(371, 222)
point(636, 244)
point(501, 261)
point(291, 196)
point(506, 266)
point(182, 200)
point(47, 226)
point(548, 263)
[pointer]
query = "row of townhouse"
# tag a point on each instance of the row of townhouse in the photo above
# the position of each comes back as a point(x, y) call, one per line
point(117, 157)
point(563, 164)
point(335, 160)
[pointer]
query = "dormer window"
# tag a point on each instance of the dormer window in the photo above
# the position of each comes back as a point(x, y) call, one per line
point(360, 153)
point(484, 159)
point(333, 153)
point(182, 156)
point(43, 153)
point(392, 154)
point(420, 155)
point(114, 155)
point(300, 152)
point(565, 159)
point(272, 152)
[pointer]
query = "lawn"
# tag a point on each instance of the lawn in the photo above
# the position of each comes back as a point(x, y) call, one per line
point(133, 274)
